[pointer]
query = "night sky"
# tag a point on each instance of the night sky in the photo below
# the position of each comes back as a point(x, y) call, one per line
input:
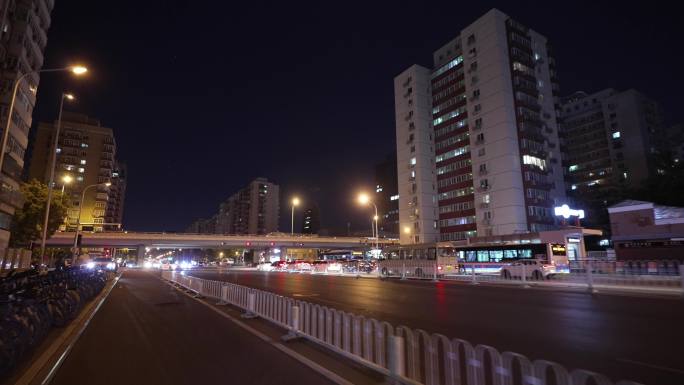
point(203, 96)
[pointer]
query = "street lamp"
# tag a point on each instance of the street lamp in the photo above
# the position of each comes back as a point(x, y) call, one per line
point(80, 208)
point(76, 70)
point(52, 165)
point(66, 179)
point(295, 202)
point(364, 199)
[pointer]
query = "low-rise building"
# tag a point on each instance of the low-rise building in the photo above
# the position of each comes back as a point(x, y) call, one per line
point(644, 230)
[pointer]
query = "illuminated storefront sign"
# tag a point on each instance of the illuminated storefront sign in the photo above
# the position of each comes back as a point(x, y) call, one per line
point(566, 212)
point(558, 249)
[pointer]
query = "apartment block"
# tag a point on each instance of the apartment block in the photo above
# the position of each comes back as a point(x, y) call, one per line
point(23, 38)
point(610, 139)
point(254, 209)
point(86, 155)
point(477, 136)
point(387, 196)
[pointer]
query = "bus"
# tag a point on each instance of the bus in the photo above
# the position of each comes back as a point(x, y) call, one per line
point(481, 258)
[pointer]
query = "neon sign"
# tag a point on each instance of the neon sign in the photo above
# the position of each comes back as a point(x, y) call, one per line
point(566, 212)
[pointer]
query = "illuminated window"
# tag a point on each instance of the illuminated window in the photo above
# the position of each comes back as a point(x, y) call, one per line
point(412, 161)
point(83, 161)
point(81, 169)
point(574, 187)
point(394, 197)
point(533, 160)
point(59, 150)
point(616, 135)
point(574, 167)
point(84, 145)
point(79, 178)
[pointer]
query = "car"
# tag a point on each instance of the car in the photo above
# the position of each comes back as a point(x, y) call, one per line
point(532, 269)
point(279, 265)
point(265, 266)
point(101, 263)
point(326, 267)
point(298, 265)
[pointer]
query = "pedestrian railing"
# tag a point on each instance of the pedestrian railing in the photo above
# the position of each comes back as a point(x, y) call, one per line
point(408, 356)
point(661, 275)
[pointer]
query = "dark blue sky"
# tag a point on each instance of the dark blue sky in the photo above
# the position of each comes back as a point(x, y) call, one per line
point(203, 96)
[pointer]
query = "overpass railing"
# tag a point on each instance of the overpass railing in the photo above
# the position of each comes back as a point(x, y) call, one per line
point(409, 356)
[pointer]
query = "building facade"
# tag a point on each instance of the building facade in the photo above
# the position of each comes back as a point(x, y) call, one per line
point(646, 231)
point(477, 136)
point(117, 195)
point(311, 224)
point(254, 209)
point(86, 154)
point(387, 197)
point(23, 37)
point(609, 139)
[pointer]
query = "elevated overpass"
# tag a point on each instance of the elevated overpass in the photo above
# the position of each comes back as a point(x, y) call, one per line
point(187, 240)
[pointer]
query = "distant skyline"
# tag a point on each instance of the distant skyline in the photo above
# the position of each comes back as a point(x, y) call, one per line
point(203, 97)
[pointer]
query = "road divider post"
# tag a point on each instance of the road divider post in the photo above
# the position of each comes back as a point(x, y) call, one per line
point(224, 295)
point(293, 331)
point(251, 305)
point(395, 359)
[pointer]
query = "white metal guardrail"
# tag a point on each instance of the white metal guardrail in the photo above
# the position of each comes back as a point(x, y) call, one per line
point(654, 275)
point(409, 356)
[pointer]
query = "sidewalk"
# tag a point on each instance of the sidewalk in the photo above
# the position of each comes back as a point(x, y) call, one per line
point(147, 332)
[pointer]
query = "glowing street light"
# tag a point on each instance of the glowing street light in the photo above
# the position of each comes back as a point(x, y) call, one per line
point(364, 199)
point(78, 70)
point(295, 202)
point(52, 165)
point(66, 179)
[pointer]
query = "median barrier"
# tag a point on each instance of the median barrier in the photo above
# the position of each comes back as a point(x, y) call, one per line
point(407, 356)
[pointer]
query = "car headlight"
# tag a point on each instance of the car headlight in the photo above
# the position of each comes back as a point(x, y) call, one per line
point(90, 265)
point(148, 265)
point(111, 266)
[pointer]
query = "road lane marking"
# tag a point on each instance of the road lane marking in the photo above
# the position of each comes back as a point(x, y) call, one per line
point(652, 366)
point(333, 377)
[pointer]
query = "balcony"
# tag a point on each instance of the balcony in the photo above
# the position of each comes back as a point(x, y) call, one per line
point(11, 197)
point(483, 172)
point(484, 205)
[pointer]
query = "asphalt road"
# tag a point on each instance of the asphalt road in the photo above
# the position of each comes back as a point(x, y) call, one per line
point(633, 338)
point(148, 333)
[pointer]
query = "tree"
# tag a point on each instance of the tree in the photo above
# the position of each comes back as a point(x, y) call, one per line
point(27, 224)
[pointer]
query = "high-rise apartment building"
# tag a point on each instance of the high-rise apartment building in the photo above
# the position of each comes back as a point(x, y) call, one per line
point(477, 136)
point(86, 153)
point(23, 37)
point(252, 210)
point(610, 139)
point(311, 224)
point(117, 195)
point(387, 196)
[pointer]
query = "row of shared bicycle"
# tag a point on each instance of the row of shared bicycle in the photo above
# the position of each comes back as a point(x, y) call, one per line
point(31, 303)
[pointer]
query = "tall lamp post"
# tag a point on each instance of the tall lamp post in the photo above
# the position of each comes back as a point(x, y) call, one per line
point(80, 207)
point(364, 199)
point(295, 202)
point(52, 165)
point(76, 70)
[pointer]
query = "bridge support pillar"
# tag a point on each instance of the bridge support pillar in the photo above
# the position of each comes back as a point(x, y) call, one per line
point(141, 255)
